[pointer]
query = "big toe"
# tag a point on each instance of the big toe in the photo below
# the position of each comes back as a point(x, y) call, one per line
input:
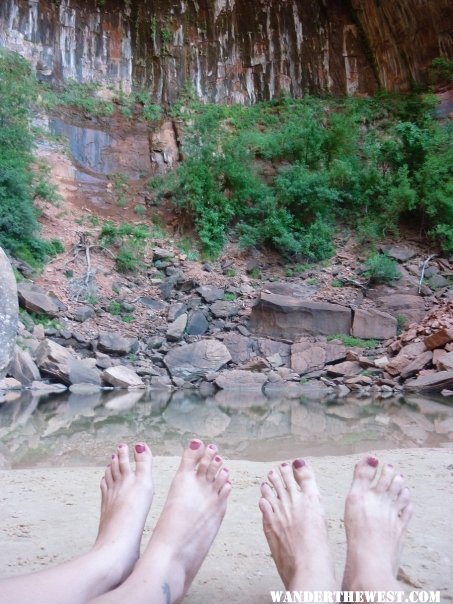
point(365, 472)
point(192, 455)
point(305, 476)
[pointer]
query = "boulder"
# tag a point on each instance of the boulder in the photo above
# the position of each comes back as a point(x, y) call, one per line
point(23, 367)
point(239, 379)
point(410, 306)
point(54, 360)
point(446, 362)
point(438, 339)
point(399, 252)
point(224, 309)
point(113, 343)
point(305, 359)
point(348, 368)
point(419, 363)
point(176, 310)
point(83, 371)
point(307, 356)
point(9, 313)
point(197, 323)
point(434, 382)
point(152, 303)
point(34, 299)
point(211, 293)
point(269, 347)
point(83, 313)
point(404, 357)
point(370, 324)
point(192, 361)
point(122, 377)
point(241, 348)
point(288, 317)
point(175, 330)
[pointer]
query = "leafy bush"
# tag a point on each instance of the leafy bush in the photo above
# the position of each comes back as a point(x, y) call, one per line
point(354, 342)
point(130, 242)
point(283, 173)
point(381, 269)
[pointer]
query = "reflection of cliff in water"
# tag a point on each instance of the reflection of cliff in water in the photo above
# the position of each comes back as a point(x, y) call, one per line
point(81, 429)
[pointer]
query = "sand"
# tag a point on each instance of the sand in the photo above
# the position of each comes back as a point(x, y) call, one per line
point(50, 515)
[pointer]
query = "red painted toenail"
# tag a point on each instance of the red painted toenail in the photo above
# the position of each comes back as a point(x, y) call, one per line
point(213, 447)
point(298, 463)
point(217, 458)
point(372, 461)
point(226, 470)
point(120, 445)
point(113, 456)
point(195, 444)
point(140, 448)
point(284, 464)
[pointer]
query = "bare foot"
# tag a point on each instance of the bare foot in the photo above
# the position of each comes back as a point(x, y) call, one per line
point(376, 517)
point(295, 528)
point(189, 522)
point(126, 499)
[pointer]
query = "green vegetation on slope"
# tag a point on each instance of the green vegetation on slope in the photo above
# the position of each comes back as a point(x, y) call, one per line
point(19, 227)
point(286, 173)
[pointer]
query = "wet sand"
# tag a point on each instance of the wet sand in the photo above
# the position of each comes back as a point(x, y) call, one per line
point(49, 515)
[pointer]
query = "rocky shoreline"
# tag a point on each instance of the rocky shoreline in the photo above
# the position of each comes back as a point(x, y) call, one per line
point(285, 337)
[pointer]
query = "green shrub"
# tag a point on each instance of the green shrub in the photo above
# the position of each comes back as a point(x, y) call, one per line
point(352, 342)
point(130, 242)
point(381, 269)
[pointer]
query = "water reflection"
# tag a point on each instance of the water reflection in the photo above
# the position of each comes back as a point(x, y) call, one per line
point(72, 429)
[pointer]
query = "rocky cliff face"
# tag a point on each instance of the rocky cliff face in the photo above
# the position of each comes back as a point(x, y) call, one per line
point(231, 50)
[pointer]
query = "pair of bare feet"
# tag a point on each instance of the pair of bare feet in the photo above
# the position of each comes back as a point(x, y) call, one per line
point(112, 572)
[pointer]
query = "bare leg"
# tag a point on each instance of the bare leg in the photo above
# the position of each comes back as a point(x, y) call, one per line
point(376, 517)
point(126, 499)
point(295, 528)
point(189, 522)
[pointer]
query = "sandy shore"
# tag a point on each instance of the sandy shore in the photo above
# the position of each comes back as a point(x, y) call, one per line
point(49, 515)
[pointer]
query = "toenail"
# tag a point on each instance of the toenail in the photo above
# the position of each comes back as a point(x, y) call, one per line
point(195, 444)
point(217, 458)
point(263, 484)
point(120, 445)
point(140, 448)
point(284, 464)
point(298, 463)
point(226, 470)
point(213, 447)
point(113, 456)
point(389, 465)
point(372, 461)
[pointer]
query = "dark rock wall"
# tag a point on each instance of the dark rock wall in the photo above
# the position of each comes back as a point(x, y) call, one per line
point(231, 50)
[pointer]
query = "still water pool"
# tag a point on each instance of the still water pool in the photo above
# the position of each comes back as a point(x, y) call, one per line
point(72, 429)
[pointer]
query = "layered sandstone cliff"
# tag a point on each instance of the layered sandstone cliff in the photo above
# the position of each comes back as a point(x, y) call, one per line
point(231, 50)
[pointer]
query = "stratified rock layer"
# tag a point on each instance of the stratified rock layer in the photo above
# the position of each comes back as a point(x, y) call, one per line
point(231, 50)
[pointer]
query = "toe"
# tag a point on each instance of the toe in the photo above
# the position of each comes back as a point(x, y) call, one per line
point(213, 468)
point(115, 467)
point(192, 455)
point(268, 493)
point(406, 514)
point(225, 490)
point(385, 479)
point(275, 479)
point(403, 500)
point(205, 461)
point(364, 472)
point(108, 476)
point(396, 486)
point(266, 510)
point(288, 477)
point(221, 478)
point(304, 476)
point(103, 486)
point(143, 461)
point(123, 459)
